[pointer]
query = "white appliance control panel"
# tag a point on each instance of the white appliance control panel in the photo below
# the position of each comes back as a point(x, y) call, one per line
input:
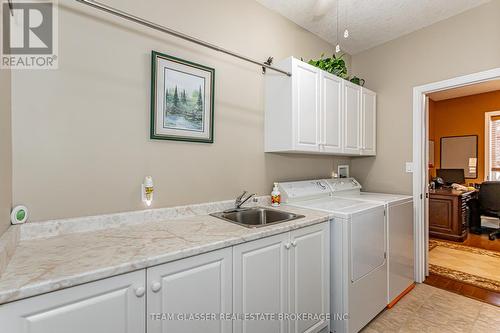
point(303, 190)
point(343, 184)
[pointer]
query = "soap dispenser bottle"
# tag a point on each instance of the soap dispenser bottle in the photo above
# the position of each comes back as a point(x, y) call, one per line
point(275, 196)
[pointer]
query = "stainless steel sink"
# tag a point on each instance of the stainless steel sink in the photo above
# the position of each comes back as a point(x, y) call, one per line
point(256, 216)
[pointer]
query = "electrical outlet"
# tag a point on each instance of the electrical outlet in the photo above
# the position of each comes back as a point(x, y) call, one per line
point(409, 167)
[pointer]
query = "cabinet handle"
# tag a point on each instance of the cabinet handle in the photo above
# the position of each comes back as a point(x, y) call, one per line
point(140, 291)
point(294, 243)
point(155, 287)
point(287, 246)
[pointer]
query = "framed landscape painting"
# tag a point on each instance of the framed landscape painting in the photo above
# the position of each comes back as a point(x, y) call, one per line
point(182, 100)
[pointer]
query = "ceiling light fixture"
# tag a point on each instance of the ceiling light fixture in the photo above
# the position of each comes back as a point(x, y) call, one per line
point(337, 48)
point(346, 31)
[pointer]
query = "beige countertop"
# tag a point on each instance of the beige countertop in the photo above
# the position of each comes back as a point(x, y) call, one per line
point(43, 265)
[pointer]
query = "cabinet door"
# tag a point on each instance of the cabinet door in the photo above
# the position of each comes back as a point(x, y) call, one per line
point(444, 221)
point(260, 282)
point(369, 121)
point(352, 118)
point(113, 305)
point(306, 106)
point(196, 285)
point(331, 114)
point(309, 276)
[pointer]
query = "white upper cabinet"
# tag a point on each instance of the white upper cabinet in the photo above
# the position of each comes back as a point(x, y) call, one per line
point(369, 122)
point(352, 116)
point(317, 112)
point(331, 113)
point(306, 87)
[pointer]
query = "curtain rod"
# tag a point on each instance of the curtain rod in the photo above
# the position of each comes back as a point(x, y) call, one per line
point(178, 34)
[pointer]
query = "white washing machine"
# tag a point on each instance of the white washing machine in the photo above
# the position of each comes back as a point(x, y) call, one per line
point(358, 264)
point(400, 257)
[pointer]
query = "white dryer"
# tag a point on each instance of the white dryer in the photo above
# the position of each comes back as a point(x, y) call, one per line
point(400, 257)
point(358, 265)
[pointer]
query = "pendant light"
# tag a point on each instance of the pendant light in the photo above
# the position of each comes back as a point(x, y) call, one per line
point(346, 31)
point(337, 48)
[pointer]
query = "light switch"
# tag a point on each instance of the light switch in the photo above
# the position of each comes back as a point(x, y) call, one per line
point(409, 167)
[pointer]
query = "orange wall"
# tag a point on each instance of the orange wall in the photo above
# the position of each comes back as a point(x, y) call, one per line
point(461, 116)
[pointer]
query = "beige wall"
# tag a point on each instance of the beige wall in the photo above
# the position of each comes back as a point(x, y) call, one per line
point(81, 133)
point(5, 151)
point(463, 44)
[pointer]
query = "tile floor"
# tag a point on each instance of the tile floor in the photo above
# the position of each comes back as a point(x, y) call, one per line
point(431, 310)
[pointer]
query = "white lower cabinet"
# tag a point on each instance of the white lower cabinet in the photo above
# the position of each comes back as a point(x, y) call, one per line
point(198, 285)
point(112, 305)
point(283, 274)
point(261, 282)
point(309, 276)
point(287, 273)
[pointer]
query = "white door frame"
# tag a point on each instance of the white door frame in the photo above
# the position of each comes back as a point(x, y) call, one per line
point(420, 158)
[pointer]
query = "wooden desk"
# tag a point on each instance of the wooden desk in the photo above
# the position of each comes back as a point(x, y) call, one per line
point(449, 214)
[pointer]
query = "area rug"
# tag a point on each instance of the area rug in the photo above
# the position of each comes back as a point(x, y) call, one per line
point(466, 264)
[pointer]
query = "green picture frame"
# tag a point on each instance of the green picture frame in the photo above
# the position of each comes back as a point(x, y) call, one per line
point(182, 100)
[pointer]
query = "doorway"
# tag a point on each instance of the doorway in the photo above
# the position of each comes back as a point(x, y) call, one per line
point(420, 159)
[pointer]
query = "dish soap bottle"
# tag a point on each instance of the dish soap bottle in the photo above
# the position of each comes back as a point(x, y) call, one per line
point(275, 196)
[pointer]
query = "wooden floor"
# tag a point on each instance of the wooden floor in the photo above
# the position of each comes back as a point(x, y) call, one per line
point(482, 242)
point(484, 295)
point(464, 289)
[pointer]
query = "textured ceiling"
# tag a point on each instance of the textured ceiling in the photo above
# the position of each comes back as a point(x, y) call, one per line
point(370, 22)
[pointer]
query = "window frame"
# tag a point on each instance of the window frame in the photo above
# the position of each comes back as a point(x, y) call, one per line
point(487, 130)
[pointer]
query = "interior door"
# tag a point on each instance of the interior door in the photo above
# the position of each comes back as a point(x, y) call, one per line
point(113, 305)
point(306, 78)
point(369, 121)
point(425, 190)
point(331, 113)
point(200, 284)
point(260, 282)
point(352, 118)
point(309, 276)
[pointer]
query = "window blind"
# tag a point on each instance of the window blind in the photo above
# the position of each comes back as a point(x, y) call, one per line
point(495, 143)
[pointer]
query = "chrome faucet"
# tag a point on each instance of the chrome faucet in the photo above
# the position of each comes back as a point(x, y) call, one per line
point(240, 200)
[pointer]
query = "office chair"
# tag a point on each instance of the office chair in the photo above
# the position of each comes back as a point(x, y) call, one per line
point(487, 204)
